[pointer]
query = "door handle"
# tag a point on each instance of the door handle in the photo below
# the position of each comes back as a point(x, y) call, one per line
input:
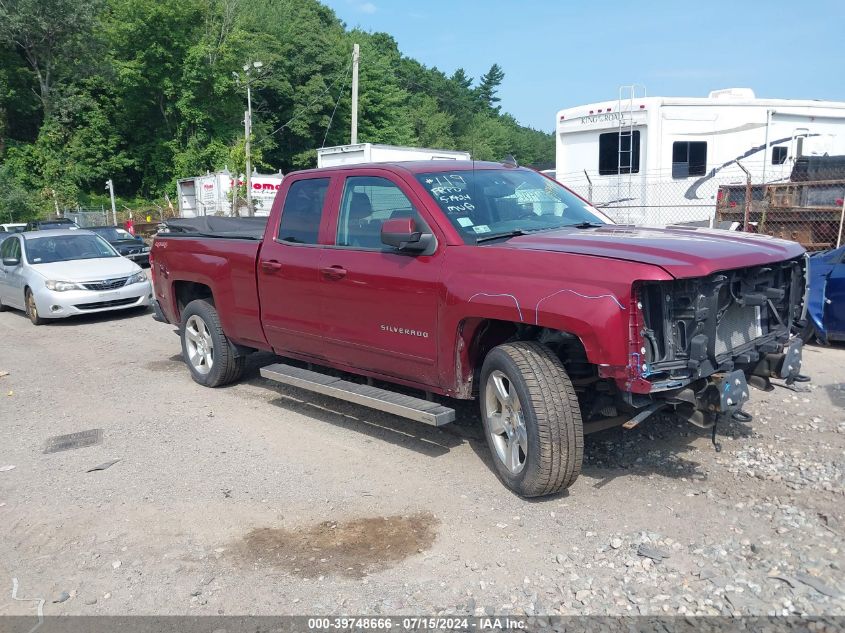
point(270, 266)
point(333, 272)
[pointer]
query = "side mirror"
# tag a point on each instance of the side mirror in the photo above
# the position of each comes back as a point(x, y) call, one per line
point(401, 233)
point(11, 261)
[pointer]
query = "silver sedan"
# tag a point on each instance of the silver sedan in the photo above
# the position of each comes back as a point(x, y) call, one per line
point(56, 274)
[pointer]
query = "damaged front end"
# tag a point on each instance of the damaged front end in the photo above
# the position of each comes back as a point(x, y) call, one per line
point(697, 344)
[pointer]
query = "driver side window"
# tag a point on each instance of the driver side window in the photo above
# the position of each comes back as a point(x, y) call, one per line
point(10, 248)
point(366, 203)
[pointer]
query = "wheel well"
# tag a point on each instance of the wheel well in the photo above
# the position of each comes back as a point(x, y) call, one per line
point(187, 291)
point(478, 336)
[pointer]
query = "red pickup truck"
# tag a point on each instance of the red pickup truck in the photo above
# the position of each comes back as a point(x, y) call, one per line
point(470, 279)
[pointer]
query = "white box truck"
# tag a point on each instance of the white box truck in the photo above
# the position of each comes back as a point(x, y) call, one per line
point(211, 194)
point(374, 153)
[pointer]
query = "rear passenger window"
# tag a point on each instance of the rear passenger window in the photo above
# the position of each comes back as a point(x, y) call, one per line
point(303, 211)
point(367, 202)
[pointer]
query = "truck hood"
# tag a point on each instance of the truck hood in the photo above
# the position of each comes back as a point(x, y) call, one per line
point(680, 251)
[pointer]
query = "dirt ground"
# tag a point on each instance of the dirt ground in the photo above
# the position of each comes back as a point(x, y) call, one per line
point(263, 499)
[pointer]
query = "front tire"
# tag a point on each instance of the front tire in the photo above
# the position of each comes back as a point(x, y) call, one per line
point(32, 309)
point(531, 418)
point(210, 356)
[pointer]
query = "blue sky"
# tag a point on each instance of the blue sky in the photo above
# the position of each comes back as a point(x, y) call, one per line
point(558, 54)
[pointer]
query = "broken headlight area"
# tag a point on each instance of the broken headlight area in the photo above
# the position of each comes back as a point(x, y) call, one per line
point(698, 344)
point(736, 319)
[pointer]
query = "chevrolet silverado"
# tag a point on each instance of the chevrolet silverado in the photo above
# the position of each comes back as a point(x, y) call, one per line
point(489, 281)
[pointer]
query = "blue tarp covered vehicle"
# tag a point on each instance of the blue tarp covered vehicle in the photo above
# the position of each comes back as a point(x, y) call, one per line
point(826, 296)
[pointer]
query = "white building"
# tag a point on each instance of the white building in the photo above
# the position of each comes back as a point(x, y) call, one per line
point(660, 160)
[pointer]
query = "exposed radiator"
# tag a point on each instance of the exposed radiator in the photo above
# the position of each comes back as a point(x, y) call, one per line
point(738, 326)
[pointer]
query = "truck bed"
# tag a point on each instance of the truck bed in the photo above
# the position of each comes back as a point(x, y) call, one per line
point(218, 255)
point(212, 226)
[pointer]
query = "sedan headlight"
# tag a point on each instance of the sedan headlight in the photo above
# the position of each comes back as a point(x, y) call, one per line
point(138, 278)
point(62, 286)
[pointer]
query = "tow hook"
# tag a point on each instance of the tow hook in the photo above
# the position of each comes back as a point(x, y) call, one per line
point(790, 367)
point(733, 391)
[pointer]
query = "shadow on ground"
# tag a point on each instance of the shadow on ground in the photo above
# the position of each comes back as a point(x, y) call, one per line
point(96, 317)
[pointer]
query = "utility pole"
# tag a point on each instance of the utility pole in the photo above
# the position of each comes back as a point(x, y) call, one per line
point(110, 187)
point(356, 55)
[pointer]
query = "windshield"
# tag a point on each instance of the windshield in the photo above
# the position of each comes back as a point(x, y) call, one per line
point(113, 235)
point(46, 226)
point(63, 248)
point(490, 202)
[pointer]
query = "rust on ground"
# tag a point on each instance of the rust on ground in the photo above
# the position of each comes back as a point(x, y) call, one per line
point(353, 548)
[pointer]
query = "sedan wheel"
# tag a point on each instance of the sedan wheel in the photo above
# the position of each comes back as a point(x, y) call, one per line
point(32, 309)
point(199, 344)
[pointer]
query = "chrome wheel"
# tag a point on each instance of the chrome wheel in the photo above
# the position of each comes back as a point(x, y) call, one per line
point(506, 422)
point(199, 344)
point(31, 309)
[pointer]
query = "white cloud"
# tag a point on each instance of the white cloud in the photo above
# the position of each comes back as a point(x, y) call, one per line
point(367, 7)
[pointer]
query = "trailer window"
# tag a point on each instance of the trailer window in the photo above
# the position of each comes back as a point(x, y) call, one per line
point(689, 158)
point(779, 155)
point(619, 153)
point(303, 211)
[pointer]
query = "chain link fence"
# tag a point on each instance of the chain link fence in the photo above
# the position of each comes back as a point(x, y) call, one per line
point(802, 201)
point(89, 217)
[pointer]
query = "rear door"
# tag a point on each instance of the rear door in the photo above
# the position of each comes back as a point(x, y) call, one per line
point(380, 306)
point(287, 267)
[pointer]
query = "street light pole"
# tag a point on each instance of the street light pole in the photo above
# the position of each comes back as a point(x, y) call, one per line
point(110, 187)
point(248, 128)
point(248, 68)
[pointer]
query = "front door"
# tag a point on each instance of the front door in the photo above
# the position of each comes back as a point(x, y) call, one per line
point(11, 277)
point(288, 278)
point(380, 306)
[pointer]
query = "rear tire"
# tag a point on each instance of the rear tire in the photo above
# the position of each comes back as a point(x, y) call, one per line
point(211, 357)
point(32, 309)
point(528, 400)
point(2, 307)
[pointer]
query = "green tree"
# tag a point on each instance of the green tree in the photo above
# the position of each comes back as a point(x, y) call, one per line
point(489, 86)
point(143, 92)
point(56, 37)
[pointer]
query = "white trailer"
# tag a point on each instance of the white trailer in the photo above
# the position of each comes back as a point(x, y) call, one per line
point(374, 153)
point(211, 194)
point(660, 160)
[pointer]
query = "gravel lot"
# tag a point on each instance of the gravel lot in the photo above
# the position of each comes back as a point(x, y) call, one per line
point(263, 499)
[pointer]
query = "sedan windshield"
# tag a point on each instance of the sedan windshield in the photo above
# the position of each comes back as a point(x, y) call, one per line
point(63, 248)
point(484, 203)
point(113, 234)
